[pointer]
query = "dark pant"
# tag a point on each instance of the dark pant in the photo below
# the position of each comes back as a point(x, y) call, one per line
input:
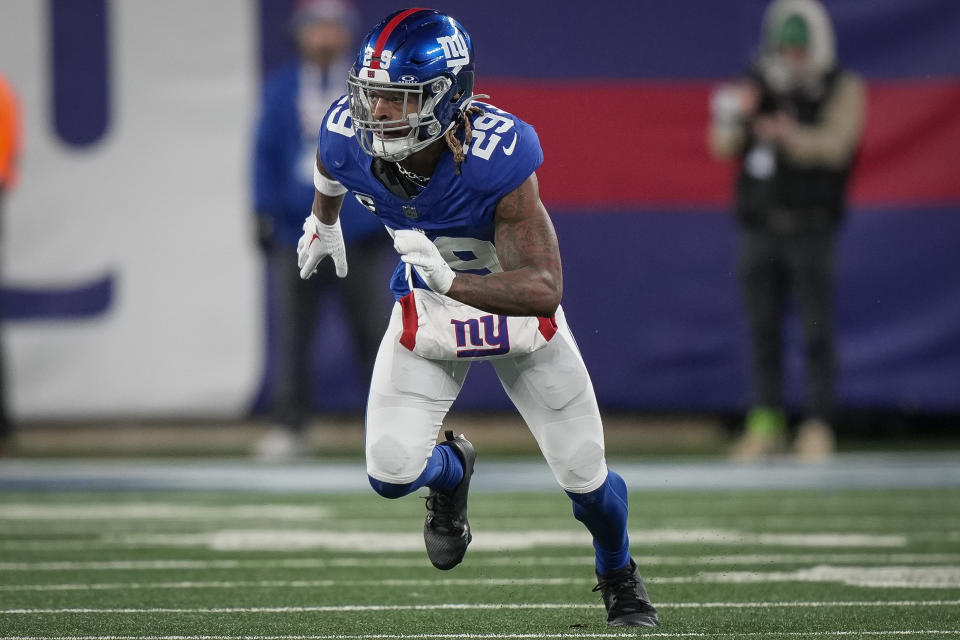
point(771, 266)
point(366, 299)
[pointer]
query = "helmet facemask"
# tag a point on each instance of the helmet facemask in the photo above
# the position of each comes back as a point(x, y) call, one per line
point(416, 128)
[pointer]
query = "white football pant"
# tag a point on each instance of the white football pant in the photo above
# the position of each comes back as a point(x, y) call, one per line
point(410, 395)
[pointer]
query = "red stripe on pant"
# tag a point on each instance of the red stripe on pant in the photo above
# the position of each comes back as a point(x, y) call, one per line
point(411, 321)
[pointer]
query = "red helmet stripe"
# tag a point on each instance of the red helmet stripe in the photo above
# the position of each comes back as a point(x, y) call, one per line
point(385, 34)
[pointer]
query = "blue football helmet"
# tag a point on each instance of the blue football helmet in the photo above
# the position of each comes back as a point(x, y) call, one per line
point(423, 60)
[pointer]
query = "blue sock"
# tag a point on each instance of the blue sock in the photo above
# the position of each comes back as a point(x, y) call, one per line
point(604, 512)
point(444, 471)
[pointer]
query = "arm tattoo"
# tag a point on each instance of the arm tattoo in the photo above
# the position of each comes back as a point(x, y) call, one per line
point(531, 283)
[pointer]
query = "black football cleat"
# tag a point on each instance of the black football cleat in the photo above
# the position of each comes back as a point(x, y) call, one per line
point(626, 599)
point(446, 531)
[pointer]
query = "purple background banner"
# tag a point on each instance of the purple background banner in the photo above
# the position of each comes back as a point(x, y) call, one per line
point(652, 39)
point(651, 292)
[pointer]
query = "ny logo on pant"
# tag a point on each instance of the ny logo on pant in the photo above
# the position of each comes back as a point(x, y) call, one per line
point(488, 336)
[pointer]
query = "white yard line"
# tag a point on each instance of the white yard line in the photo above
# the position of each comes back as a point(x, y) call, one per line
point(894, 577)
point(298, 584)
point(482, 560)
point(877, 577)
point(378, 636)
point(511, 636)
point(481, 607)
point(287, 539)
point(111, 512)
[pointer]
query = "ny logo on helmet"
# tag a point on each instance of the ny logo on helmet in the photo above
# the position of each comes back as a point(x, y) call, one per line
point(455, 50)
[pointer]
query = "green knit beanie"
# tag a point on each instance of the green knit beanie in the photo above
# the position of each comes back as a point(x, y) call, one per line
point(792, 32)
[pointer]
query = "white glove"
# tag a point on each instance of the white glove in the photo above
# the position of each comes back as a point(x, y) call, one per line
point(725, 104)
point(317, 242)
point(417, 250)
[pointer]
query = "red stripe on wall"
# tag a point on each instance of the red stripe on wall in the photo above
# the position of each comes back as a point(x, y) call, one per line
point(911, 149)
point(627, 145)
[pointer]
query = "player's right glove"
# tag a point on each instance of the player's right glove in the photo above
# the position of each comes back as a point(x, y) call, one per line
point(318, 241)
point(416, 249)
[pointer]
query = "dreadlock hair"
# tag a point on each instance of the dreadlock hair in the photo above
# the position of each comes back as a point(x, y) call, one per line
point(463, 119)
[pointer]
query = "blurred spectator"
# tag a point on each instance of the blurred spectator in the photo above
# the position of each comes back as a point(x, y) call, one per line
point(295, 100)
point(795, 123)
point(9, 151)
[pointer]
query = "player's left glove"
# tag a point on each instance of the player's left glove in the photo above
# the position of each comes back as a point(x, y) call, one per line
point(318, 241)
point(417, 250)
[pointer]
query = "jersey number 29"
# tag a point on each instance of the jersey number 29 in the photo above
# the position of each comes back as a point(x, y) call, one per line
point(487, 134)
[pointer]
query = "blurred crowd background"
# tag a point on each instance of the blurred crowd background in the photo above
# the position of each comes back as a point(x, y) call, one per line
point(138, 282)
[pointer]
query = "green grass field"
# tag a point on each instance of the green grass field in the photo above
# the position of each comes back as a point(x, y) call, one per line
point(785, 564)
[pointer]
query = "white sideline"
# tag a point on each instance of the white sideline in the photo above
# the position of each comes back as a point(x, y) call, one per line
point(852, 471)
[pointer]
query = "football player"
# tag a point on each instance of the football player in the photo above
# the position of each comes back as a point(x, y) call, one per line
point(453, 180)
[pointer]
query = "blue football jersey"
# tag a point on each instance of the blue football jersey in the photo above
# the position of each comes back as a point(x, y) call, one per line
point(454, 211)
